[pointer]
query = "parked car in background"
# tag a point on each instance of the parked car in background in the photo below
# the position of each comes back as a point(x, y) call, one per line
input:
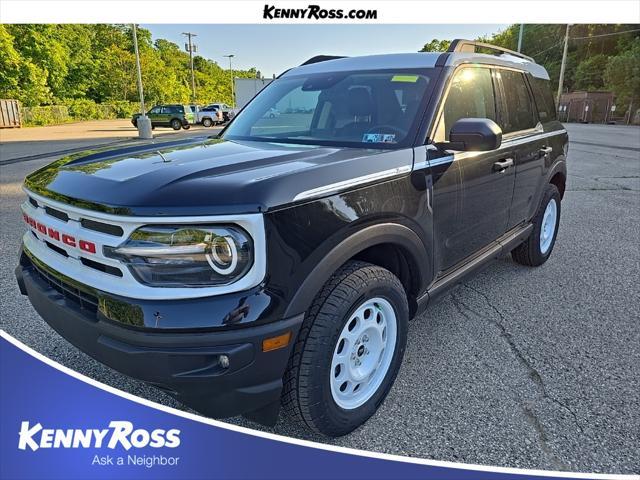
point(174, 116)
point(271, 113)
point(209, 116)
point(225, 109)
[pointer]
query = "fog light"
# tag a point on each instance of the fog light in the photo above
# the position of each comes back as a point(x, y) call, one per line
point(223, 360)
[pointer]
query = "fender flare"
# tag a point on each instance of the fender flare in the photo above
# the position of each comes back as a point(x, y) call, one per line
point(381, 233)
point(560, 166)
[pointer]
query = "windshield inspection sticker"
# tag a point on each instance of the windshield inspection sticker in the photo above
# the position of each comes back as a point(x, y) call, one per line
point(379, 138)
point(405, 78)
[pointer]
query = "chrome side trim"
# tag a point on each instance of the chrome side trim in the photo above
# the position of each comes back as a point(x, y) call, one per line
point(353, 182)
point(506, 144)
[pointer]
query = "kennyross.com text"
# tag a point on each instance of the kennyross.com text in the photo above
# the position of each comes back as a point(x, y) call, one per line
point(316, 12)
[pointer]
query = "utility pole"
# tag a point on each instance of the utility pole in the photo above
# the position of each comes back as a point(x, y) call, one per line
point(563, 65)
point(191, 47)
point(520, 37)
point(233, 96)
point(143, 123)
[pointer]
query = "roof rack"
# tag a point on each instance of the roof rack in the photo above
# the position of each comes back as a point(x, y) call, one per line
point(470, 46)
point(320, 58)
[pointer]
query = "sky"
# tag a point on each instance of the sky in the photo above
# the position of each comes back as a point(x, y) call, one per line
point(273, 49)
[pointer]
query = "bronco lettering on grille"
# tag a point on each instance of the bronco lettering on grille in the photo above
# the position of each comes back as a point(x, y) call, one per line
point(67, 239)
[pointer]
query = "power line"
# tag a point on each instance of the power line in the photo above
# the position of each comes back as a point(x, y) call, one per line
point(585, 38)
point(605, 34)
point(547, 49)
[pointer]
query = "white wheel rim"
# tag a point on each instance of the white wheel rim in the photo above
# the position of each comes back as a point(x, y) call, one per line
point(363, 353)
point(548, 228)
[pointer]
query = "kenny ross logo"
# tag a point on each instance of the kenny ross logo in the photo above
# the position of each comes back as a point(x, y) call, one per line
point(67, 239)
point(119, 433)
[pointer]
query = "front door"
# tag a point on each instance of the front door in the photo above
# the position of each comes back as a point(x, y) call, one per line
point(487, 178)
point(155, 115)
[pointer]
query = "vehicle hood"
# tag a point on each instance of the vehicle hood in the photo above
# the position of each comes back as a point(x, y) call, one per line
point(210, 176)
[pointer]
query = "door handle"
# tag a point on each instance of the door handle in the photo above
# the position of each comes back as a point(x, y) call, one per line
point(502, 165)
point(544, 151)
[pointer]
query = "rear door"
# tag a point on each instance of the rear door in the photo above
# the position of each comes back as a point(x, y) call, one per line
point(486, 186)
point(521, 129)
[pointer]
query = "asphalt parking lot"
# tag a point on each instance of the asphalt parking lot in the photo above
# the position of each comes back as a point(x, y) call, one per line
point(518, 367)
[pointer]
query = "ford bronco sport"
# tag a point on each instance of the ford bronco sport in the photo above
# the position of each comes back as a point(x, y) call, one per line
point(279, 263)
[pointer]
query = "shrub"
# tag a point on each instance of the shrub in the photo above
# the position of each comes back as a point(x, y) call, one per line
point(47, 115)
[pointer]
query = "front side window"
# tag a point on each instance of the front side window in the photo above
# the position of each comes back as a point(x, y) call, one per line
point(154, 111)
point(470, 96)
point(518, 111)
point(373, 109)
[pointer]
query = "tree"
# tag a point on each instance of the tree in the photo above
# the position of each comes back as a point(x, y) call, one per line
point(622, 75)
point(436, 45)
point(589, 74)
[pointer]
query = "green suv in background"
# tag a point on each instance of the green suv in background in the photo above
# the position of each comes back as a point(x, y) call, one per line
point(174, 116)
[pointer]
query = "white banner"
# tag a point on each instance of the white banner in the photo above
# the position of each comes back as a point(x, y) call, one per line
point(316, 11)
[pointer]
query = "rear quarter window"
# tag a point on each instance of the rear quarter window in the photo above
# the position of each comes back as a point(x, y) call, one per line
point(544, 99)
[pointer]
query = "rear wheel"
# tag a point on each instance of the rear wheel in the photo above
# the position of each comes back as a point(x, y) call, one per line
point(538, 247)
point(207, 122)
point(348, 351)
point(186, 127)
point(176, 124)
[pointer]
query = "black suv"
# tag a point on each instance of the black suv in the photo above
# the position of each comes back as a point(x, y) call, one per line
point(280, 262)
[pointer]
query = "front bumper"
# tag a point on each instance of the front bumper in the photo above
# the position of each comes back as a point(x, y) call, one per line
point(185, 365)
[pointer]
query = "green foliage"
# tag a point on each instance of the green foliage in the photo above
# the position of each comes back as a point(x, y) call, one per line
point(622, 74)
point(436, 45)
point(590, 57)
point(82, 66)
point(590, 73)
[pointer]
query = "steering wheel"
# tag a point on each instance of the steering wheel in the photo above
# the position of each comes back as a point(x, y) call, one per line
point(381, 129)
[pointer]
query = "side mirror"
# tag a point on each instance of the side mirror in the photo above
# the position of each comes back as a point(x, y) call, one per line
point(474, 135)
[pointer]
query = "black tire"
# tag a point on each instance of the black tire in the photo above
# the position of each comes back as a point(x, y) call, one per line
point(186, 127)
point(529, 252)
point(176, 124)
point(307, 397)
point(135, 123)
point(207, 122)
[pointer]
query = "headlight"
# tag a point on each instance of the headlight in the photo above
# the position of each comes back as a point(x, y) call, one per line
point(186, 256)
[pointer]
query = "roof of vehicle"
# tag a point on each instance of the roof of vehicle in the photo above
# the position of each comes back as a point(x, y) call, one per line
point(461, 55)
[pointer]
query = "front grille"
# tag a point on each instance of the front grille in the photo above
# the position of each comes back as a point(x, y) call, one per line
point(56, 213)
point(81, 298)
point(107, 228)
point(101, 267)
point(57, 249)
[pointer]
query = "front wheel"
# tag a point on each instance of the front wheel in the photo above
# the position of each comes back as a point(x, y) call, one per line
point(538, 247)
point(349, 350)
point(207, 122)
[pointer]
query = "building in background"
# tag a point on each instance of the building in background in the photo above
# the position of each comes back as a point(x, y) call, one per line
point(588, 107)
point(247, 88)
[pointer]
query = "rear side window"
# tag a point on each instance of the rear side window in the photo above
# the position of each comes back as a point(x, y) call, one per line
point(517, 111)
point(544, 99)
point(470, 96)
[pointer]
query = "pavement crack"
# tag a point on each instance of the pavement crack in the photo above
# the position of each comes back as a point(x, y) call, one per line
point(534, 375)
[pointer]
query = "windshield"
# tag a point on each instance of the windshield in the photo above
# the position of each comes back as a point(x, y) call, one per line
point(361, 109)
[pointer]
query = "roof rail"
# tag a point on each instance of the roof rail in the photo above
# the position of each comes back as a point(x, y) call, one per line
point(470, 46)
point(320, 58)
